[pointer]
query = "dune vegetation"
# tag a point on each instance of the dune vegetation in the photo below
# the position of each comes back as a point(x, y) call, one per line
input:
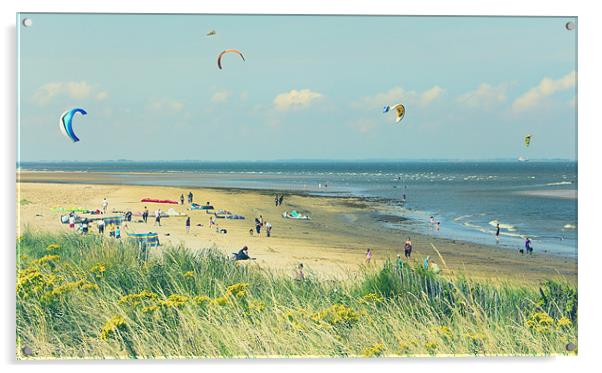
point(93, 297)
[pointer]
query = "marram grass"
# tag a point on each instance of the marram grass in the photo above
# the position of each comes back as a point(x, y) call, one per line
point(88, 297)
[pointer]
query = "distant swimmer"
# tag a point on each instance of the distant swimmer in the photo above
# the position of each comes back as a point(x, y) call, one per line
point(497, 233)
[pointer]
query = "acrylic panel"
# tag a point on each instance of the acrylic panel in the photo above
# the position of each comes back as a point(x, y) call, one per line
point(224, 186)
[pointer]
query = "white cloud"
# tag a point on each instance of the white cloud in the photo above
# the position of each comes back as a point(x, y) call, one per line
point(296, 99)
point(398, 94)
point(219, 97)
point(430, 95)
point(165, 104)
point(545, 88)
point(73, 90)
point(102, 95)
point(484, 96)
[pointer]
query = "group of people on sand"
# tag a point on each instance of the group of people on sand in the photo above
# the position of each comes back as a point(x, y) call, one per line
point(190, 198)
point(261, 223)
point(278, 199)
point(528, 244)
point(436, 225)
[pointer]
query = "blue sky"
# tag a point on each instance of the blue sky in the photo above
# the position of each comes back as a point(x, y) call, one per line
point(311, 87)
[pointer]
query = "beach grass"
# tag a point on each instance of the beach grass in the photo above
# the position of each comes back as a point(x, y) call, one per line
point(93, 297)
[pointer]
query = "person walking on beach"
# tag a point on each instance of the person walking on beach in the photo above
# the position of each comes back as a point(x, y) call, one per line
point(399, 263)
point(211, 222)
point(101, 226)
point(368, 256)
point(280, 200)
point(145, 214)
point(117, 232)
point(276, 200)
point(182, 199)
point(497, 233)
point(158, 217)
point(407, 248)
point(258, 226)
point(528, 247)
point(187, 224)
point(105, 205)
point(268, 229)
point(190, 197)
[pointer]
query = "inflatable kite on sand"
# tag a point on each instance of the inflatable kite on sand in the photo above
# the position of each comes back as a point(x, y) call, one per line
point(66, 123)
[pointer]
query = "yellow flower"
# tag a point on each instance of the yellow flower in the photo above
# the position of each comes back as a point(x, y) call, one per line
point(32, 280)
point(444, 331)
point(137, 299)
point(112, 326)
point(47, 259)
point(201, 300)
point(374, 350)
point(541, 322)
point(53, 247)
point(337, 314)
point(431, 347)
point(189, 274)
point(404, 347)
point(238, 289)
point(98, 269)
point(564, 322)
point(69, 287)
point(372, 298)
point(175, 301)
point(220, 301)
point(150, 309)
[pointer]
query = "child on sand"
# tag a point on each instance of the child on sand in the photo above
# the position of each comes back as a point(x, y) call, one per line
point(299, 273)
point(268, 229)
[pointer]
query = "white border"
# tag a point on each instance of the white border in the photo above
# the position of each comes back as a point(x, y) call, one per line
point(590, 29)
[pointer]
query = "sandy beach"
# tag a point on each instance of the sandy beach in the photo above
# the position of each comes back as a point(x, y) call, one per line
point(330, 245)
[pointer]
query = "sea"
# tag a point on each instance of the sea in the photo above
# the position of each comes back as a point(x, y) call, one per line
point(535, 199)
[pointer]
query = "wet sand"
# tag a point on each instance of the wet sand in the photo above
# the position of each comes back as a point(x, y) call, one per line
point(331, 245)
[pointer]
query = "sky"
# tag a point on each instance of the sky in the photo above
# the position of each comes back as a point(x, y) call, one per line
point(312, 87)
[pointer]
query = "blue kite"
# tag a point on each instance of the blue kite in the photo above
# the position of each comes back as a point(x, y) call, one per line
point(66, 123)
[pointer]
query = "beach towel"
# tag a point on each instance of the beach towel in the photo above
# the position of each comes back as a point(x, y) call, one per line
point(196, 206)
point(295, 215)
point(150, 239)
point(151, 200)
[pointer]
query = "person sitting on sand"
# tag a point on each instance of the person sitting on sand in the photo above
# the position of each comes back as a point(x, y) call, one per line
point(368, 256)
point(243, 254)
point(299, 273)
point(407, 248)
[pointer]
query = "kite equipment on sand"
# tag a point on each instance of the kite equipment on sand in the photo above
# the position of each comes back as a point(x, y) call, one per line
point(66, 123)
point(295, 215)
point(219, 57)
point(151, 200)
